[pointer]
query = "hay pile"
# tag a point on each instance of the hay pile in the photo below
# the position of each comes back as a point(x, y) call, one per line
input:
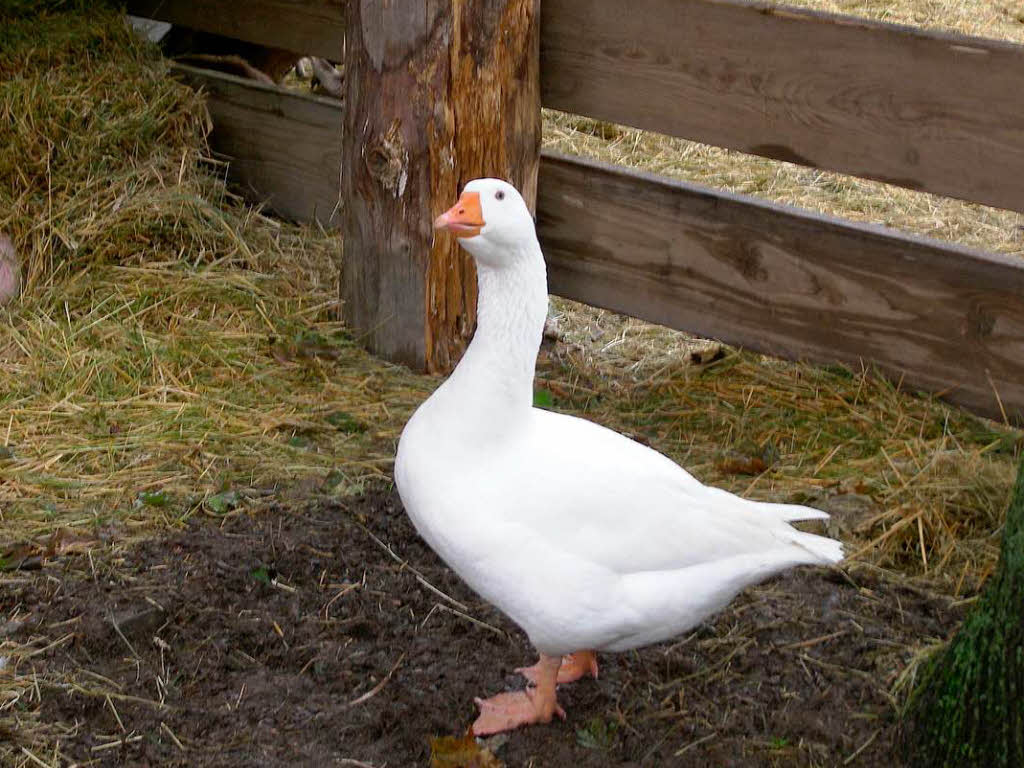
point(171, 343)
point(174, 352)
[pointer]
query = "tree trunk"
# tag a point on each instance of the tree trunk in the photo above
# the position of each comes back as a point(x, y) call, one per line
point(438, 92)
point(969, 708)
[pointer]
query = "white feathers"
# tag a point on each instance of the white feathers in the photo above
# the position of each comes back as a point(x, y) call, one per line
point(588, 540)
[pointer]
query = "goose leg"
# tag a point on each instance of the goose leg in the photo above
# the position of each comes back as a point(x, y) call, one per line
point(534, 705)
point(574, 666)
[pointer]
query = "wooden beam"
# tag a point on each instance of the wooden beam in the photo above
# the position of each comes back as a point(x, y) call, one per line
point(937, 112)
point(767, 277)
point(307, 27)
point(284, 146)
point(414, 70)
point(787, 282)
point(930, 111)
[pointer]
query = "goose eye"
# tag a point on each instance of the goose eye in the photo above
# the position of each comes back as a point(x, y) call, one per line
point(499, 195)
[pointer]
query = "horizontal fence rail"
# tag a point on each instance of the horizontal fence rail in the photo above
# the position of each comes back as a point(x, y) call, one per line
point(307, 27)
point(284, 146)
point(768, 277)
point(787, 282)
point(929, 111)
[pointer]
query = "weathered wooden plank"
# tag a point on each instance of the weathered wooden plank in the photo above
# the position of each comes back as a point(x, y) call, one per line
point(414, 71)
point(285, 147)
point(937, 112)
point(929, 111)
point(768, 277)
point(787, 282)
point(308, 27)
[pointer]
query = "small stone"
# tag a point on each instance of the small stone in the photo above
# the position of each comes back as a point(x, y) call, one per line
point(552, 331)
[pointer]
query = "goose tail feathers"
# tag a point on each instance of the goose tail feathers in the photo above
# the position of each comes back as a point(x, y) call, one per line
point(824, 550)
point(791, 513)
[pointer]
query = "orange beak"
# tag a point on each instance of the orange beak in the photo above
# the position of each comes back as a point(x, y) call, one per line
point(465, 218)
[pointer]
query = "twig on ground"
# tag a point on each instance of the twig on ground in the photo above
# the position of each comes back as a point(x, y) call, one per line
point(861, 748)
point(419, 576)
point(696, 743)
point(117, 629)
point(35, 759)
point(166, 729)
point(467, 617)
point(377, 688)
point(115, 744)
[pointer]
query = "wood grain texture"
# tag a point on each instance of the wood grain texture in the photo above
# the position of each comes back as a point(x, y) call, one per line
point(787, 282)
point(307, 27)
point(928, 111)
point(767, 277)
point(495, 106)
point(284, 147)
point(438, 92)
point(936, 112)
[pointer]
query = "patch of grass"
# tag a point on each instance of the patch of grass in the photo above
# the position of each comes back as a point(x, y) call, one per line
point(542, 398)
point(597, 734)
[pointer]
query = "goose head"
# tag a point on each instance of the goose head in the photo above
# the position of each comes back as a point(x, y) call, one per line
point(491, 221)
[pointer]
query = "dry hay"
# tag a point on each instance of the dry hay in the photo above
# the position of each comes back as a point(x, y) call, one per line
point(176, 352)
point(996, 19)
point(171, 342)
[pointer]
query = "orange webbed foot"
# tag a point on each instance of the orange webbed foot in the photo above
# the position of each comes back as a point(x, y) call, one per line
point(507, 711)
point(572, 668)
point(534, 705)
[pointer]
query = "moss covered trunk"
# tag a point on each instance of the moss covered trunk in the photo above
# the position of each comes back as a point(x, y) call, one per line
point(969, 708)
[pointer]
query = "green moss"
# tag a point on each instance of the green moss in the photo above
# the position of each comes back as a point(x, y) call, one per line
point(969, 709)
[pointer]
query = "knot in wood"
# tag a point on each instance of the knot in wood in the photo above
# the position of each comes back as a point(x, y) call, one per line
point(387, 160)
point(980, 323)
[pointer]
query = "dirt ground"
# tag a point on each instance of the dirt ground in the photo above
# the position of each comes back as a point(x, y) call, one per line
point(317, 636)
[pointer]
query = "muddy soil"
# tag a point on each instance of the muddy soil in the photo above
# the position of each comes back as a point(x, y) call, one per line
point(317, 637)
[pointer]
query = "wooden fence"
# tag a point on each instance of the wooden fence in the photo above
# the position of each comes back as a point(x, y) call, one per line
point(928, 111)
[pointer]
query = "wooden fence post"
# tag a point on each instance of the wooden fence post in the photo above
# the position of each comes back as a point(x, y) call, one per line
point(438, 92)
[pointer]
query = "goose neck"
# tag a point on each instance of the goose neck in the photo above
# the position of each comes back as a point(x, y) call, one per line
point(497, 370)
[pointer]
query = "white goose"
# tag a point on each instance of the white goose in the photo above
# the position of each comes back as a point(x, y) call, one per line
point(586, 539)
